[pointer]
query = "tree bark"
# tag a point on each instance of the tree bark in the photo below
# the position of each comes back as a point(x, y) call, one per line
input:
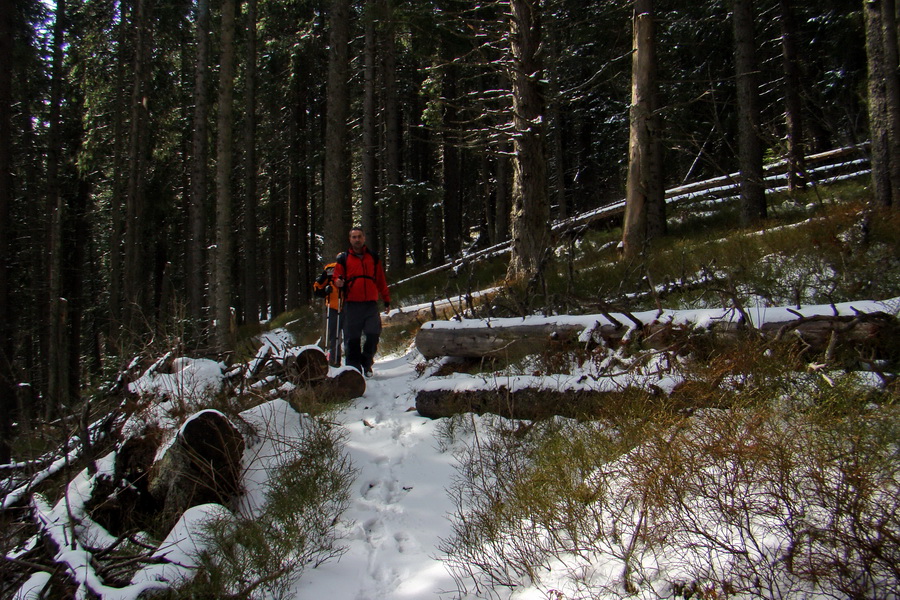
point(753, 193)
point(892, 91)
point(644, 188)
point(197, 209)
point(337, 163)
point(224, 197)
point(250, 283)
point(136, 264)
point(394, 242)
point(368, 173)
point(877, 104)
point(294, 273)
point(796, 148)
point(7, 322)
point(530, 218)
point(57, 365)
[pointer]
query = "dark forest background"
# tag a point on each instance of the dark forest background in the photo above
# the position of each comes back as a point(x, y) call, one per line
point(183, 168)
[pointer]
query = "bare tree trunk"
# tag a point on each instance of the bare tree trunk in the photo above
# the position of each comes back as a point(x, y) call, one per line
point(196, 246)
point(452, 202)
point(501, 205)
point(878, 110)
point(892, 90)
point(57, 366)
point(753, 193)
point(644, 189)
point(337, 163)
point(292, 257)
point(136, 267)
point(369, 175)
point(394, 246)
point(7, 323)
point(224, 163)
point(792, 107)
point(250, 283)
point(530, 219)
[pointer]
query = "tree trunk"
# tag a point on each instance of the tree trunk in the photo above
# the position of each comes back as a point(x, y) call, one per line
point(796, 149)
point(369, 150)
point(293, 257)
point(394, 246)
point(57, 365)
point(892, 91)
point(530, 218)
point(136, 267)
point(501, 204)
point(197, 209)
point(753, 193)
point(644, 188)
point(452, 202)
point(224, 163)
point(877, 103)
point(7, 323)
point(337, 163)
point(250, 283)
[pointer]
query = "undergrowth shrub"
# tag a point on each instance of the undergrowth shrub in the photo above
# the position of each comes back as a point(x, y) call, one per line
point(790, 489)
point(263, 554)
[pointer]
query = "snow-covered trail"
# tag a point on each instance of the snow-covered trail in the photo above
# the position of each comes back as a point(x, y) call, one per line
point(399, 505)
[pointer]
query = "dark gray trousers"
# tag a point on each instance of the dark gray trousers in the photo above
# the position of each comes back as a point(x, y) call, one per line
point(361, 318)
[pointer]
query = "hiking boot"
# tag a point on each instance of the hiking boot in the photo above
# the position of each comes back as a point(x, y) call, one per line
point(369, 373)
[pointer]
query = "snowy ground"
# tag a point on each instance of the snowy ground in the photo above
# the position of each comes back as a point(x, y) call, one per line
point(399, 509)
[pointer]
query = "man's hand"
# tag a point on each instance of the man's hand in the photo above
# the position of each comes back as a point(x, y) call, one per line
point(339, 282)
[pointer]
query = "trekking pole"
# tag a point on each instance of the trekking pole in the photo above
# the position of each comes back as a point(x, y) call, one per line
point(327, 319)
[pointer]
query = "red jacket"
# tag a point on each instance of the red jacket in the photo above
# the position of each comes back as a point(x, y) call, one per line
point(363, 276)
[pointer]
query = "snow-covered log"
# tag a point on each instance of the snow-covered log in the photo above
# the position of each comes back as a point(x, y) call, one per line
point(864, 323)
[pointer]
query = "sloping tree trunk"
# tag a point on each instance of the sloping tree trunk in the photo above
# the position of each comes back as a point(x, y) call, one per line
point(796, 149)
point(224, 162)
point(337, 161)
point(750, 151)
point(195, 271)
point(644, 188)
point(530, 219)
point(250, 283)
point(7, 324)
point(878, 111)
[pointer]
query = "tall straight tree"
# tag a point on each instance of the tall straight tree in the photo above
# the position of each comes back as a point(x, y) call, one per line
point(530, 218)
point(250, 279)
point(7, 324)
point(394, 213)
point(337, 152)
point(369, 152)
point(793, 118)
point(892, 90)
point(879, 132)
point(644, 187)
point(750, 150)
point(136, 267)
point(194, 269)
point(56, 340)
point(224, 162)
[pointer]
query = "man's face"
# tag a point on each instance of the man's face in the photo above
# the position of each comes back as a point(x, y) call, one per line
point(357, 239)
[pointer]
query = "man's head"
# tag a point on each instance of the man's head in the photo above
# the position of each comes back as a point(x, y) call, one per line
point(357, 239)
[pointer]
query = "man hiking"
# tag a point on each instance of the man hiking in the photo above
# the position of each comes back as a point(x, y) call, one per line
point(360, 276)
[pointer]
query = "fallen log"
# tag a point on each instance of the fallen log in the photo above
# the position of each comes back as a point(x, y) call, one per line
point(203, 465)
point(347, 383)
point(437, 309)
point(310, 364)
point(654, 330)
